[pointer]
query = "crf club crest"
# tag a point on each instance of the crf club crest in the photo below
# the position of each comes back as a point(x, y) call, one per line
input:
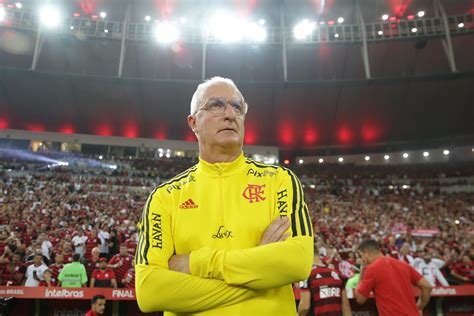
point(254, 193)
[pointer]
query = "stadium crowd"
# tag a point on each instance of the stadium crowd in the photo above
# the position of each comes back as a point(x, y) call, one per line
point(84, 216)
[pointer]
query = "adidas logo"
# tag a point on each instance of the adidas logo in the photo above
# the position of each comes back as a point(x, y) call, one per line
point(188, 204)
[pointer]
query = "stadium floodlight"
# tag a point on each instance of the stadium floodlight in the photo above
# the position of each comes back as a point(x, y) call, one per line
point(386, 157)
point(336, 35)
point(461, 25)
point(380, 32)
point(2, 13)
point(50, 16)
point(101, 157)
point(103, 14)
point(261, 22)
point(71, 27)
point(106, 31)
point(148, 18)
point(414, 30)
point(18, 5)
point(321, 160)
point(340, 159)
point(168, 155)
point(367, 158)
point(225, 27)
point(405, 155)
point(300, 161)
point(421, 14)
point(183, 20)
point(340, 20)
point(385, 17)
point(303, 29)
point(445, 152)
point(426, 154)
point(166, 32)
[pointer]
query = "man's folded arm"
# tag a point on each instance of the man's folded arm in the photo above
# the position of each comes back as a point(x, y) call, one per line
point(271, 265)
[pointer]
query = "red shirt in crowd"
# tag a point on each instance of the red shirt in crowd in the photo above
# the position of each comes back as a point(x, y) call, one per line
point(43, 283)
point(392, 282)
point(464, 270)
point(103, 278)
point(127, 263)
point(91, 265)
point(90, 313)
point(130, 274)
point(326, 288)
point(90, 244)
point(10, 272)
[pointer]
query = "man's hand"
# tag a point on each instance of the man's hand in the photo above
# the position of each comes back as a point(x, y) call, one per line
point(179, 263)
point(275, 232)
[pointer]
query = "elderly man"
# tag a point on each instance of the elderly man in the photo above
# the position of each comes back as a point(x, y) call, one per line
point(229, 235)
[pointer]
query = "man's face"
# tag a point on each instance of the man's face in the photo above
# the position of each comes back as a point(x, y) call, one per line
point(59, 259)
point(466, 260)
point(102, 265)
point(99, 306)
point(224, 130)
point(123, 250)
point(37, 260)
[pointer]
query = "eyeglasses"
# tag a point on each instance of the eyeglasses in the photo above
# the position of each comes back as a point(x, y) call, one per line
point(217, 106)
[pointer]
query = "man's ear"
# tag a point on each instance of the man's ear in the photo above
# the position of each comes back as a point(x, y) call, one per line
point(192, 123)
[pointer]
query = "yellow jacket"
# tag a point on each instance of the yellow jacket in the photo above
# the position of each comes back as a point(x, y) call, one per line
point(218, 213)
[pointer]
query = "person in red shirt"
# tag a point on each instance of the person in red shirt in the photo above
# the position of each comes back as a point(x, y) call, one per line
point(13, 271)
point(464, 270)
point(323, 294)
point(391, 281)
point(103, 277)
point(48, 280)
point(93, 262)
point(91, 243)
point(57, 266)
point(97, 306)
point(121, 262)
point(128, 280)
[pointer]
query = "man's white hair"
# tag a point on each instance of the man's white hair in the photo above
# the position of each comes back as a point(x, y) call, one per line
point(199, 93)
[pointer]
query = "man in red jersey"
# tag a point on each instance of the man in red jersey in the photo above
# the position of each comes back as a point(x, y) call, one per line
point(103, 277)
point(128, 280)
point(464, 270)
point(97, 306)
point(121, 262)
point(93, 262)
point(13, 271)
point(391, 281)
point(323, 294)
point(57, 266)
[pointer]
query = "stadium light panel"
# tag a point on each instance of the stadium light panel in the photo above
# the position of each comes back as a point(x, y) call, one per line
point(18, 5)
point(386, 157)
point(421, 14)
point(414, 30)
point(183, 20)
point(426, 154)
point(300, 161)
point(367, 158)
point(340, 20)
point(103, 14)
point(340, 159)
point(380, 33)
point(385, 17)
point(166, 33)
point(50, 16)
point(405, 155)
point(321, 160)
point(261, 22)
point(460, 25)
point(148, 18)
point(445, 152)
point(303, 29)
point(336, 35)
